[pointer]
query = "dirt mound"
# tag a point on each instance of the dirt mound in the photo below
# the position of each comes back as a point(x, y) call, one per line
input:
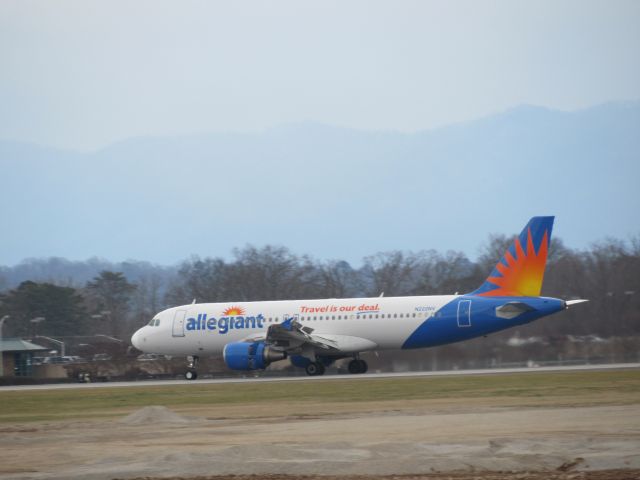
point(153, 415)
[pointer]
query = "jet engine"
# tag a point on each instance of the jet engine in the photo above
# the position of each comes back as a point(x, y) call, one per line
point(250, 356)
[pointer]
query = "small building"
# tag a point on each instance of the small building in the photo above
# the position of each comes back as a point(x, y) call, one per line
point(17, 357)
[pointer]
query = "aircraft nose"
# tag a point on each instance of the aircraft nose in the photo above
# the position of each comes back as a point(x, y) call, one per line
point(136, 339)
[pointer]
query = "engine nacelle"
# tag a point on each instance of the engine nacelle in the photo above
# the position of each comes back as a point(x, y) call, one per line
point(250, 356)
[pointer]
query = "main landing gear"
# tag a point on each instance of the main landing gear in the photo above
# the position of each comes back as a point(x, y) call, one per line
point(357, 366)
point(192, 363)
point(314, 368)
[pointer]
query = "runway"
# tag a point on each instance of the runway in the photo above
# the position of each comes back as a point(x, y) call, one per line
point(468, 425)
point(368, 376)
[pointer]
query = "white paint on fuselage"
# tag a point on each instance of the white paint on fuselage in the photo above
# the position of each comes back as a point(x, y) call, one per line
point(385, 321)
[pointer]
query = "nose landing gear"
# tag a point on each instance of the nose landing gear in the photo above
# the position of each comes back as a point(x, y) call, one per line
point(192, 363)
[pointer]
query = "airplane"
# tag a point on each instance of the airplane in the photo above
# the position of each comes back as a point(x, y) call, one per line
point(313, 334)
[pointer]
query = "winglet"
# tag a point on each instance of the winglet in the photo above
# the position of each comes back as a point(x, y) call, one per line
point(288, 324)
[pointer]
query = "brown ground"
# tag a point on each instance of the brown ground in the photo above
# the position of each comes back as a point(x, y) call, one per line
point(483, 439)
point(626, 474)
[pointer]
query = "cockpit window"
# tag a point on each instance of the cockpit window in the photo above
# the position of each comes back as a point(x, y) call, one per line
point(154, 323)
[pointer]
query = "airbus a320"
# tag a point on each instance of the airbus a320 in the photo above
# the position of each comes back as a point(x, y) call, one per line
point(313, 334)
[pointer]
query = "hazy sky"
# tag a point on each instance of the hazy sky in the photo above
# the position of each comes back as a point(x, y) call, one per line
point(83, 74)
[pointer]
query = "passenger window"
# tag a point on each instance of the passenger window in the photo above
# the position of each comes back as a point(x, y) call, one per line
point(395, 315)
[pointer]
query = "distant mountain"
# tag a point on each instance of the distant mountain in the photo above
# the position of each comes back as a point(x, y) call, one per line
point(327, 191)
point(61, 271)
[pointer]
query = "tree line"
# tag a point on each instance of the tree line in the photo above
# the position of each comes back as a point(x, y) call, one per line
point(114, 303)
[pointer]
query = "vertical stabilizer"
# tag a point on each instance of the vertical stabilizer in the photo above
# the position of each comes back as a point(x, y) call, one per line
point(520, 271)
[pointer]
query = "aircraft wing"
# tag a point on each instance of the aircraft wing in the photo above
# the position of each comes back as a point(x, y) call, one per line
point(293, 337)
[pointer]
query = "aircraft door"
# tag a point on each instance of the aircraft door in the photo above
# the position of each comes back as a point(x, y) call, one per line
point(178, 323)
point(464, 313)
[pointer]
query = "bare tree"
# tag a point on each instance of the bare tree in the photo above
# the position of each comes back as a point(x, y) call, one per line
point(109, 294)
point(394, 273)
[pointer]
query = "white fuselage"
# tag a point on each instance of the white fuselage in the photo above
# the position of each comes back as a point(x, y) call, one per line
point(355, 324)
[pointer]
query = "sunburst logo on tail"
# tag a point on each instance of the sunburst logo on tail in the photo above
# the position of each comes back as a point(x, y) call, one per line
point(233, 312)
point(522, 274)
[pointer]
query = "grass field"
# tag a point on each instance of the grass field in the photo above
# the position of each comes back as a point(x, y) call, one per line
point(327, 396)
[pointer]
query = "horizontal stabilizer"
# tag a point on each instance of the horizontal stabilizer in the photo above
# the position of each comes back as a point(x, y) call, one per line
point(512, 310)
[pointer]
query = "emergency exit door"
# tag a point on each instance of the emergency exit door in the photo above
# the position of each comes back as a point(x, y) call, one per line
point(178, 323)
point(464, 313)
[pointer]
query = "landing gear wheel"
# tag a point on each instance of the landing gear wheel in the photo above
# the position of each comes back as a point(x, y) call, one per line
point(363, 366)
point(357, 366)
point(192, 363)
point(314, 369)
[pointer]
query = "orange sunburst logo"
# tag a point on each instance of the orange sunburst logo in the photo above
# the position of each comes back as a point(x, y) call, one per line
point(233, 312)
point(522, 275)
